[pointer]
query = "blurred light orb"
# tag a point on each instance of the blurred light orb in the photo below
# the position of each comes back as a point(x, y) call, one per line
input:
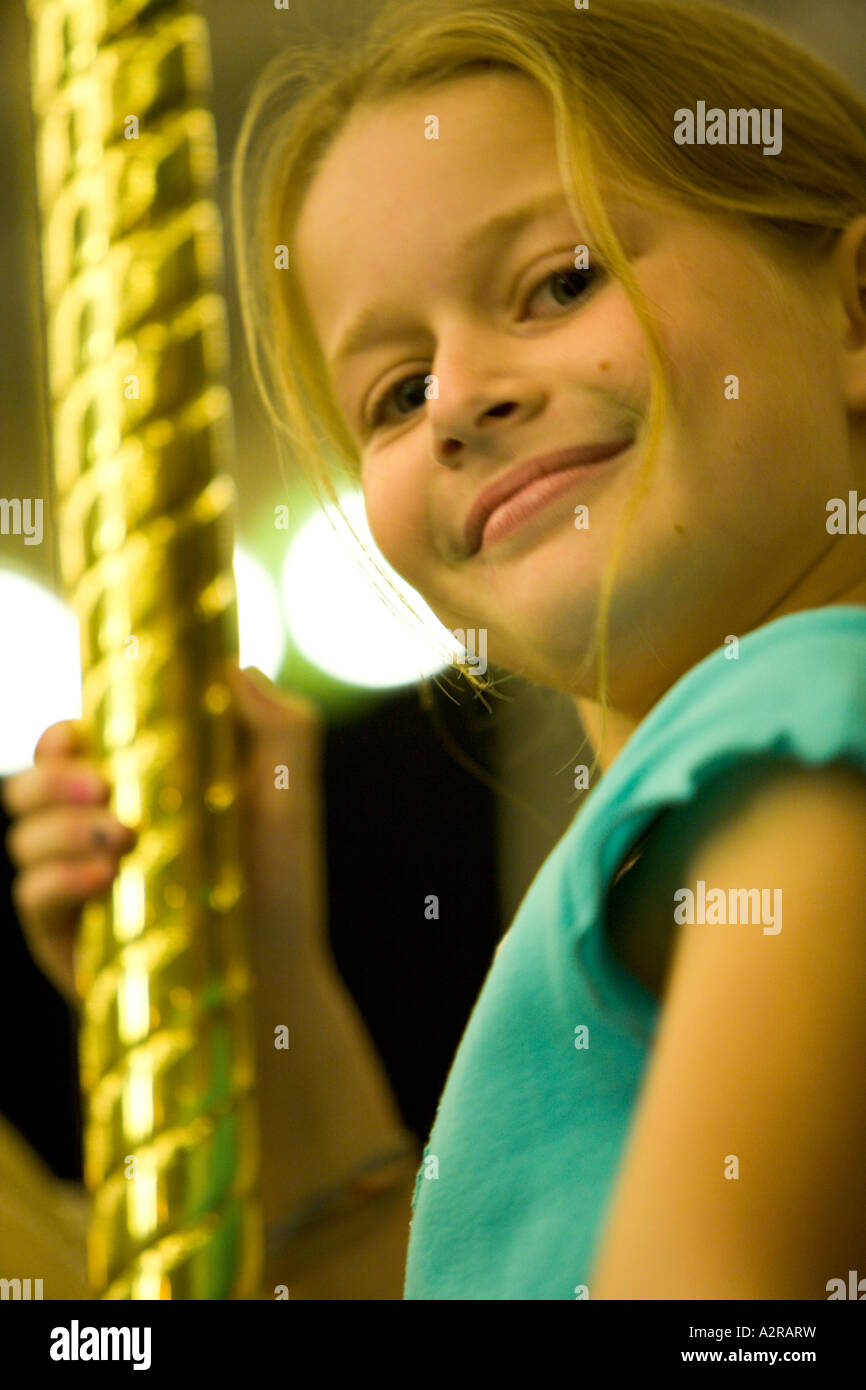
point(338, 620)
point(42, 661)
point(260, 621)
point(40, 642)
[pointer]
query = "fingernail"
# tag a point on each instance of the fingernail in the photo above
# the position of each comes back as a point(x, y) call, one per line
point(89, 789)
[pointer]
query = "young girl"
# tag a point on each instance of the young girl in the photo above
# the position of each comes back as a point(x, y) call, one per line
point(505, 210)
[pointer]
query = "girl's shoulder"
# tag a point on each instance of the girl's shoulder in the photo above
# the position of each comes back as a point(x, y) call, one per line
point(762, 816)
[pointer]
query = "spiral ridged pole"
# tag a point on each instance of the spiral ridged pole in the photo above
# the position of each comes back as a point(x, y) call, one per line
point(141, 423)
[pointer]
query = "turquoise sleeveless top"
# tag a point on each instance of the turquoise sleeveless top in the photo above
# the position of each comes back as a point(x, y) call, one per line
point(528, 1137)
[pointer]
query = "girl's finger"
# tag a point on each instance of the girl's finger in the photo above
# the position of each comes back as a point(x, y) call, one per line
point(52, 894)
point(66, 736)
point(50, 782)
point(263, 706)
point(48, 900)
point(66, 833)
point(55, 957)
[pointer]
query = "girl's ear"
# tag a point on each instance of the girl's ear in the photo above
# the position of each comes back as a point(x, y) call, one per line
point(850, 258)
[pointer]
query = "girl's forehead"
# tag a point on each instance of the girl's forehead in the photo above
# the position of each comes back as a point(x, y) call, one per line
point(396, 140)
point(467, 121)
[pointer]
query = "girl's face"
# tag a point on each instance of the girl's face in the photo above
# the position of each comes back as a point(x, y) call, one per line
point(531, 357)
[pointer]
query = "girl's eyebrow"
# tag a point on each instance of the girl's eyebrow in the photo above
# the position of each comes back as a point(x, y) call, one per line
point(374, 325)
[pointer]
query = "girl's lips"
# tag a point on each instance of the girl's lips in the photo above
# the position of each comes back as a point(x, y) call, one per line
point(504, 488)
point(535, 495)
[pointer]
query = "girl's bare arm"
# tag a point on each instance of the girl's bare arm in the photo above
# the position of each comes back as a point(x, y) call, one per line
point(742, 1177)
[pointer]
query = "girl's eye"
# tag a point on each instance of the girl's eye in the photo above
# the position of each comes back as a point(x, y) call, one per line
point(583, 279)
point(378, 411)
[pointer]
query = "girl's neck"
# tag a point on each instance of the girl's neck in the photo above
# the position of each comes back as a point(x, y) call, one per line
point(619, 730)
point(621, 726)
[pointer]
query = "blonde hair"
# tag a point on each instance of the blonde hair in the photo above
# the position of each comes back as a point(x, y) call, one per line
point(615, 74)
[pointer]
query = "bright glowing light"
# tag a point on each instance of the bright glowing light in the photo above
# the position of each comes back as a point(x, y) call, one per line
point(42, 656)
point(262, 634)
point(338, 619)
point(41, 667)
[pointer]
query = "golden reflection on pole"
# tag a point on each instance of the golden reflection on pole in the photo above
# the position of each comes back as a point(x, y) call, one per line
point(141, 423)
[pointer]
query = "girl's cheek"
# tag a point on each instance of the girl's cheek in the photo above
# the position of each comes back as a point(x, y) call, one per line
point(396, 520)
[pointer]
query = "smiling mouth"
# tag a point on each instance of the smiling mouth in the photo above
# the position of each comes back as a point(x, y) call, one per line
point(534, 497)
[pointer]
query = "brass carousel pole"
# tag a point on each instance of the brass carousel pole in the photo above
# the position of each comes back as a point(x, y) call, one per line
point(141, 423)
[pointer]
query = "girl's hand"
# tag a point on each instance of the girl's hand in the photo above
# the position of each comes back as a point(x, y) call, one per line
point(326, 1103)
point(66, 845)
point(282, 833)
